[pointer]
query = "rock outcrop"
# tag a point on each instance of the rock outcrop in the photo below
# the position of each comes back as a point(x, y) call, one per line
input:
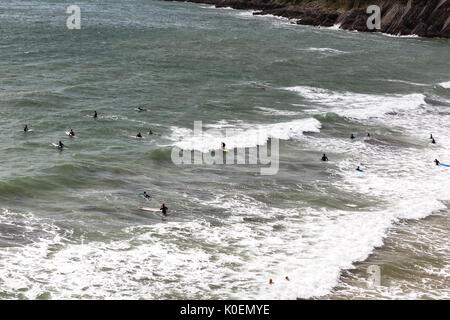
point(425, 18)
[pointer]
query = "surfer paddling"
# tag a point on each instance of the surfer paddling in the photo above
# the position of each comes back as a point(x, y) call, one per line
point(146, 195)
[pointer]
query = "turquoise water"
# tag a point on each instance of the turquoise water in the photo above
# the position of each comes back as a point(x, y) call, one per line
point(69, 222)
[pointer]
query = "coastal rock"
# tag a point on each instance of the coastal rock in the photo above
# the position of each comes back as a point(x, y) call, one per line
point(430, 18)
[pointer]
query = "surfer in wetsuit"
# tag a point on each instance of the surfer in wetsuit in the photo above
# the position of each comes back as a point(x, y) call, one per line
point(140, 109)
point(352, 136)
point(71, 133)
point(26, 128)
point(437, 162)
point(146, 195)
point(139, 135)
point(164, 209)
point(271, 282)
point(60, 145)
point(431, 136)
point(368, 135)
point(324, 157)
point(433, 141)
point(223, 145)
point(150, 132)
point(358, 169)
point(95, 114)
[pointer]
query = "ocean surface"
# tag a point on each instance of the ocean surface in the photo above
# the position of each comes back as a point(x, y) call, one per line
point(70, 227)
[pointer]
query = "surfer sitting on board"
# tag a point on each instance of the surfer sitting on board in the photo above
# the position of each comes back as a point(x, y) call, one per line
point(95, 114)
point(324, 157)
point(139, 135)
point(150, 132)
point(368, 135)
point(433, 141)
point(71, 133)
point(358, 169)
point(352, 136)
point(431, 136)
point(26, 128)
point(164, 209)
point(437, 162)
point(60, 145)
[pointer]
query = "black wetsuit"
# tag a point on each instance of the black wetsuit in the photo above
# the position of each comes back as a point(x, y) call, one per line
point(324, 158)
point(164, 209)
point(437, 162)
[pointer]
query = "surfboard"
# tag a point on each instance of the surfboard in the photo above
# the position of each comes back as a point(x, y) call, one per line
point(142, 196)
point(359, 170)
point(57, 146)
point(149, 209)
point(224, 150)
point(445, 165)
point(136, 137)
point(29, 130)
point(156, 210)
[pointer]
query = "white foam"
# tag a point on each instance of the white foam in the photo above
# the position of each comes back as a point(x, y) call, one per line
point(325, 50)
point(278, 112)
point(243, 136)
point(399, 35)
point(445, 84)
point(358, 105)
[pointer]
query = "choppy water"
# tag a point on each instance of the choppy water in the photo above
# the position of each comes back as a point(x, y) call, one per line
point(69, 223)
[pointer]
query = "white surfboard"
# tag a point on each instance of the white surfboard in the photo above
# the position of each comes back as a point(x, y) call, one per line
point(57, 146)
point(149, 209)
point(156, 210)
point(135, 137)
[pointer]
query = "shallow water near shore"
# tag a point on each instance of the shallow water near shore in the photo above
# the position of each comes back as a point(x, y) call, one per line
point(70, 227)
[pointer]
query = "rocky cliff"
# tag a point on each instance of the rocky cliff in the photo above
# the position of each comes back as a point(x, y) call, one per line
point(425, 18)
